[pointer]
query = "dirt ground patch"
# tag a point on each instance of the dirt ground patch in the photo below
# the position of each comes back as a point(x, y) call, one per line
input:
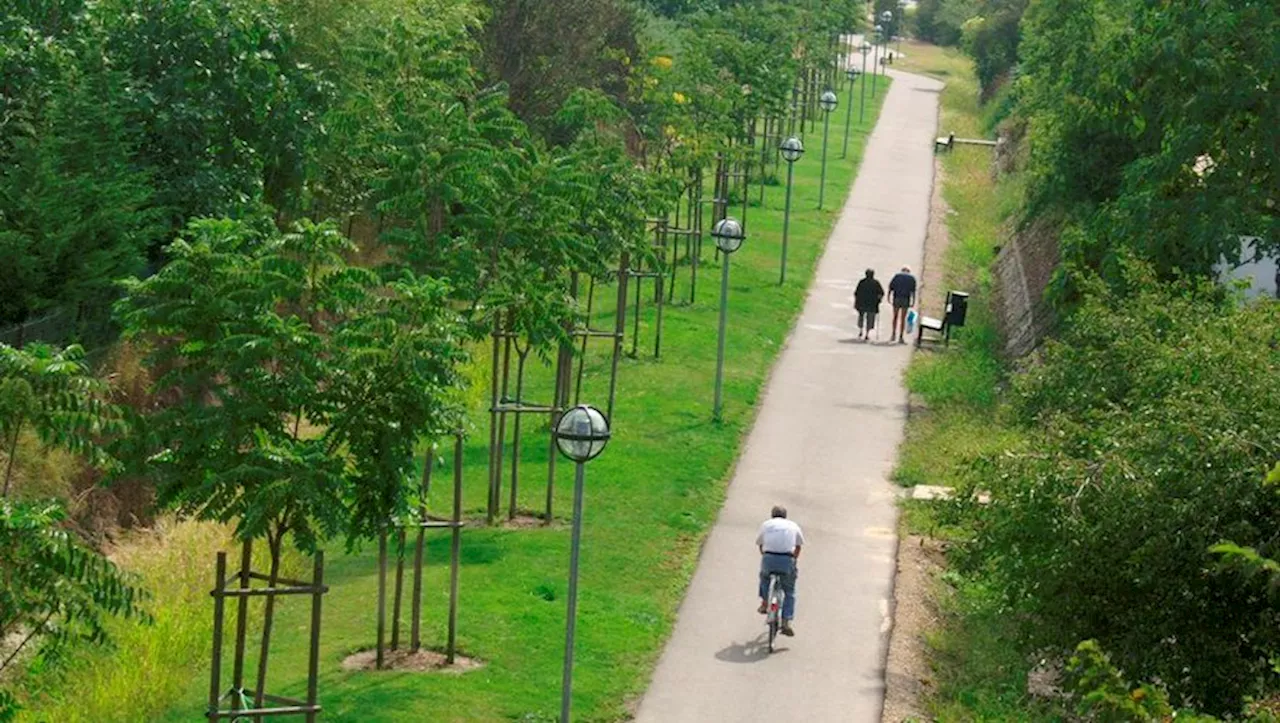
point(423, 661)
point(908, 675)
point(932, 291)
point(526, 520)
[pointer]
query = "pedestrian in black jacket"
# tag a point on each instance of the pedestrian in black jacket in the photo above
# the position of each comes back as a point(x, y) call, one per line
point(866, 301)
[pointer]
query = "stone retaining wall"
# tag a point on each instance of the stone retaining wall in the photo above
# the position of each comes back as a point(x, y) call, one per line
point(1022, 272)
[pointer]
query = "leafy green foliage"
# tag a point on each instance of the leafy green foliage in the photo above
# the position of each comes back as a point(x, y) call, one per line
point(53, 590)
point(992, 38)
point(407, 125)
point(52, 393)
point(1148, 430)
point(74, 208)
point(1147, 129)
point(297, 385)
point(224, 107)
point(989, 31)
point(1105, 696)
point(528, 45)
point(121, 119)
point(934, 23)
point(727, 69)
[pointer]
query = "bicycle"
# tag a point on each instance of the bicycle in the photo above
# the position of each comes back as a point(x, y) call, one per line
point(773, 609)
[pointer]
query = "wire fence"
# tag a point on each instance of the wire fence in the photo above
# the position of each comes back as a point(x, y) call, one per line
point(52, 328)
point(87, 324)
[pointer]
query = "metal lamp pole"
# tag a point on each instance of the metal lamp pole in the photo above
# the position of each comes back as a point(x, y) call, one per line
point(862, 104)
point(839, 62)
point(581, 435)
point(875, 60)
point(791, 150)
point(886, 18)
point(852, 74)
point(902, 15)
point(728, 235)
point(828, 102)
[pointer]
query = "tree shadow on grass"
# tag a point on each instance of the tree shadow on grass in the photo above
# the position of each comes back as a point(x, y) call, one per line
point(478, 551)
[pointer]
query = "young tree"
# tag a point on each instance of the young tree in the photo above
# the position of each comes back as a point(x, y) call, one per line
point(296, 384)
point(53, 589)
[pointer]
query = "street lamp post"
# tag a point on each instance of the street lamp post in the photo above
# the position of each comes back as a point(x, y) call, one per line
point(902, 15)
point(791, 150)
point(828, 102)
point(581, 435)
point(875, 60)
point(839, 63)
point(728, 235)
point(852, 74)
point(865, 48)
point(886, 18)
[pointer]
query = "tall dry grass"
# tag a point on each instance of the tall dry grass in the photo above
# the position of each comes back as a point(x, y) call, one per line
point(149, 665)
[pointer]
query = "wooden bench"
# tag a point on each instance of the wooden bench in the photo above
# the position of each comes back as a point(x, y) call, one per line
point(957, 307)
point(944, 144)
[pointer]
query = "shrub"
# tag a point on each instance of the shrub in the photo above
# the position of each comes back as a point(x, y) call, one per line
point(1151, 426)
point(1105, 696)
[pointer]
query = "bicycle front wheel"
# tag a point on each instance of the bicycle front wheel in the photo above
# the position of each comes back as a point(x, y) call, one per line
point(775, 612)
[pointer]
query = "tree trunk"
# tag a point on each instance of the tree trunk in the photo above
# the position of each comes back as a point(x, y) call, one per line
point(268, 618)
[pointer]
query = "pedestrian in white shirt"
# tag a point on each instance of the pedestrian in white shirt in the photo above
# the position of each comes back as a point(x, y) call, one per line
point(780, 541)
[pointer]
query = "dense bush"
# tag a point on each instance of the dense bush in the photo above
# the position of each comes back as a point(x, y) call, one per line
point(527, 46)
point(1105, 696)
point(1150, 424)
point(1148, 139)
point(76, 212)
point(992, 38)
point(989, 31)
point(934, 22)
point(127, 117)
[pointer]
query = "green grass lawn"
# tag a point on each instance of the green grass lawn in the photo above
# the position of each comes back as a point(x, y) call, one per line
point(650, 500)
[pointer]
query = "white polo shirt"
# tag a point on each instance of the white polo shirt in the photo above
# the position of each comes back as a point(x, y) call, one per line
point(779, 534)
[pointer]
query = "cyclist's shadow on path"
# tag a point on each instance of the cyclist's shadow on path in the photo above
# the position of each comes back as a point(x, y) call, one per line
point(752, 651)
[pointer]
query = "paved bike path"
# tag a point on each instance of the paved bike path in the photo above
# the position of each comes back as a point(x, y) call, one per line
point(823, 445)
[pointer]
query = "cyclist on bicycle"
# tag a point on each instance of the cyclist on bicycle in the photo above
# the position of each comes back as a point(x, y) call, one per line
point(780, 541)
